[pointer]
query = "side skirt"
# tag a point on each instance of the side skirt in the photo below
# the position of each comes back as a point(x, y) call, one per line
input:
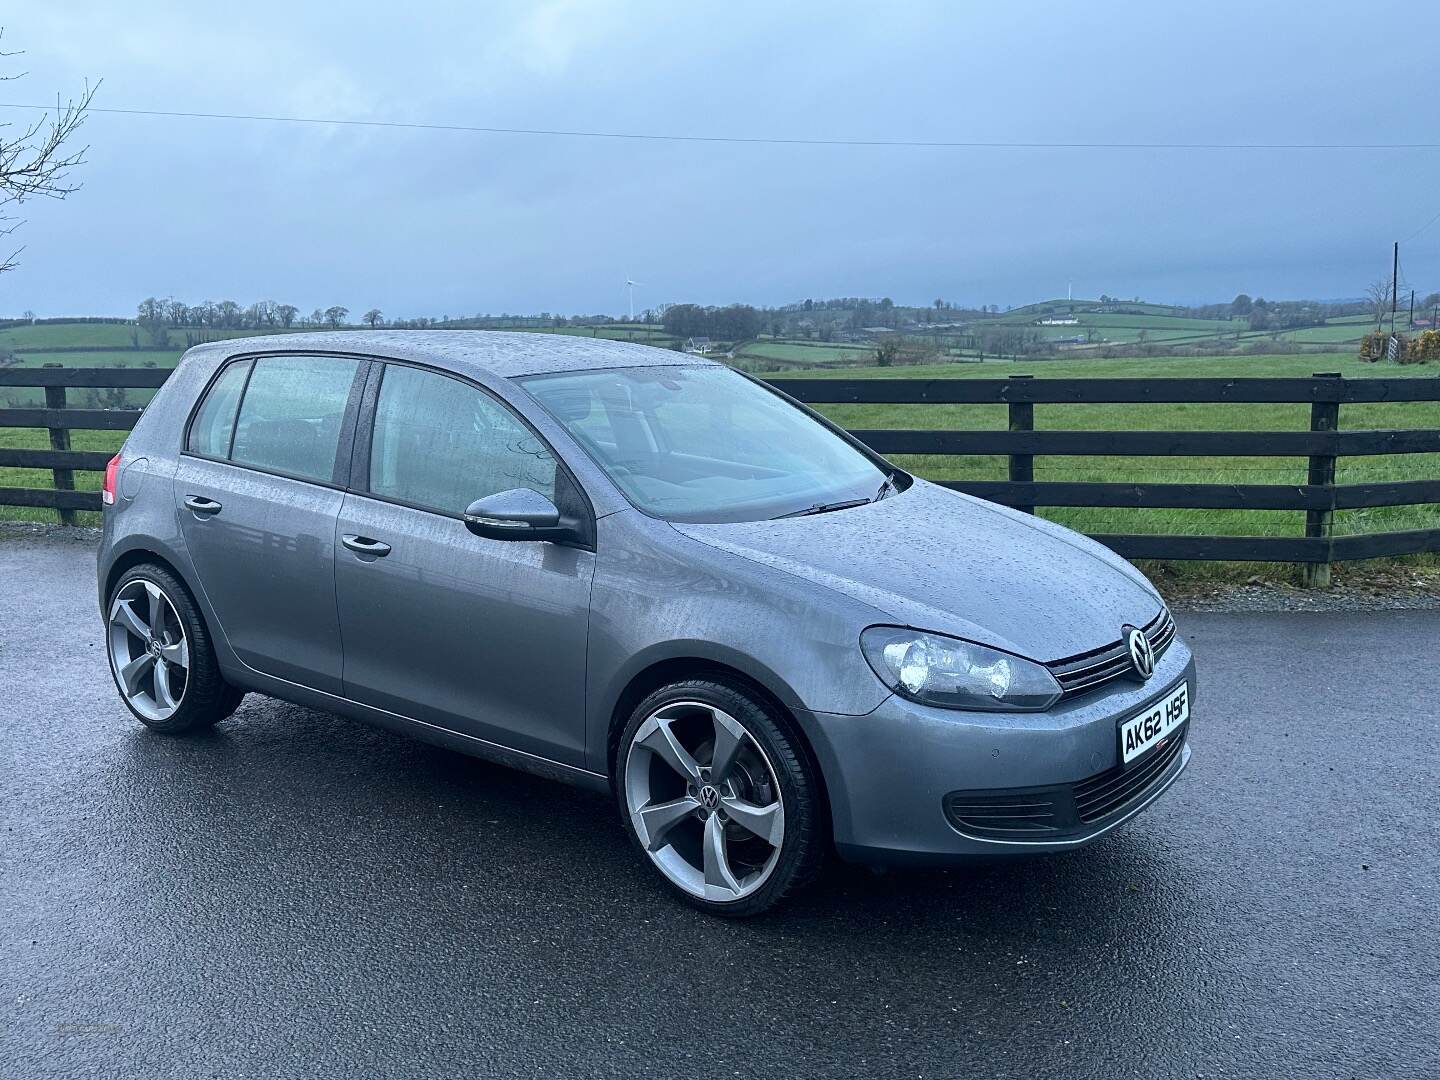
point(259, 682)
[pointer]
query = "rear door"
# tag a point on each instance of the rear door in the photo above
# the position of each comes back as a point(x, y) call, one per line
point(484, 637)
point(258, 493)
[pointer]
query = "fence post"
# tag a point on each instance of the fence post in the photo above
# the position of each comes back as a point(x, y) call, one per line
point(1324, 416)
point(1022, 466)
point(64, 479)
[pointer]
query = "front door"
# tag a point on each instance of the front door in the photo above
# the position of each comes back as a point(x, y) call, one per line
point(484, 637)
point(257, 500)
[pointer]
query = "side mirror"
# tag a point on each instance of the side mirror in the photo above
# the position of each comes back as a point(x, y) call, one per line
point(518, 514)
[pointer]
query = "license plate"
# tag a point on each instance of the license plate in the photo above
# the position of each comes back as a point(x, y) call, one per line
point(1149, 729)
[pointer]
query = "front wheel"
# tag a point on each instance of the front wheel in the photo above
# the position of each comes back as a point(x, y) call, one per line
point(719, 796)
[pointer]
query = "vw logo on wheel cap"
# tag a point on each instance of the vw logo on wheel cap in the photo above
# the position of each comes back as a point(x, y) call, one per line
point(1142, 653)
point(709, 797)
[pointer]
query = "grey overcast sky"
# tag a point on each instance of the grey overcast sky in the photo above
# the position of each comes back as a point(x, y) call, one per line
point(433, 223)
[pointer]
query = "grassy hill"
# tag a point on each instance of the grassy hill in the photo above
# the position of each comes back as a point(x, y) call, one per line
point(1122, 323)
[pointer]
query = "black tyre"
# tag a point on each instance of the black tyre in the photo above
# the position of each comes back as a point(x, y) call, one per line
point(161, 656)
point(716, 791)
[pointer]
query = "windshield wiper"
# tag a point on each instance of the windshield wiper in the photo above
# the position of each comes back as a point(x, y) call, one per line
point(823, 508)
point(887, 487)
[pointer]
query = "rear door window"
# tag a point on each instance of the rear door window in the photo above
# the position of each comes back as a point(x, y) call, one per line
point(291, 414)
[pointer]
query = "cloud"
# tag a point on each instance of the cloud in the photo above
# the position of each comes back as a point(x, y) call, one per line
point(424, 222)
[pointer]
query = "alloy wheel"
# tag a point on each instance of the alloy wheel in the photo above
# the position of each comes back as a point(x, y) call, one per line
point(149, 653)
point(704, 801)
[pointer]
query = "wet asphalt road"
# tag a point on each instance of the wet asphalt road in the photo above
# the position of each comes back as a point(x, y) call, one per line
point(298, 895)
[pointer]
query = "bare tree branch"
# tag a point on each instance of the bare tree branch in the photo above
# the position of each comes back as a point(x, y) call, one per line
point(1377, 294)
point(39, 162)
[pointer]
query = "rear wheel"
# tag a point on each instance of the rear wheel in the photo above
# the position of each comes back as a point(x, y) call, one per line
point(161, 656)
point(717, 794)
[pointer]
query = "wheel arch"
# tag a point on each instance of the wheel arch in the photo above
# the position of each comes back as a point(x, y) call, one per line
point(143, 549)
point(136, 556)
point(672, 669)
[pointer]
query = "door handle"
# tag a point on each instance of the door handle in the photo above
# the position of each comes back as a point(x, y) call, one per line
point(363, 545)
point(200, 505)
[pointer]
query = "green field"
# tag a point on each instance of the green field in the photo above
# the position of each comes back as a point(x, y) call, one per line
point(1148, 322)
point(68, 336)
point(1160, 325)
point(102, 336)
point(1117, 335)
point(1331, 332)
point(801, 352)
point(1176, 331)
point(121, 358)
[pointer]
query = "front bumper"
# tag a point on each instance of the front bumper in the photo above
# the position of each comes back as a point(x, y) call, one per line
point(888, 773)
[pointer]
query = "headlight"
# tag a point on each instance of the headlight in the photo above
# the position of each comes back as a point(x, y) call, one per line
point(954, 674)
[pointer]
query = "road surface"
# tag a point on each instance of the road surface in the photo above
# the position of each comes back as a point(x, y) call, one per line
point(299, 895)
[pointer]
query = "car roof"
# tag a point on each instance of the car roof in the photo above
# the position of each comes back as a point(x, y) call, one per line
point(507, 354)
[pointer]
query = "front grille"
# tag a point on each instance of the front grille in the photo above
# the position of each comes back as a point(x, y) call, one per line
point(1041, 814)
point(1091, 670)
point(1110, 792)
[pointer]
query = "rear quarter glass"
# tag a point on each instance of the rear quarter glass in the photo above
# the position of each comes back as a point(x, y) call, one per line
point(214, 423)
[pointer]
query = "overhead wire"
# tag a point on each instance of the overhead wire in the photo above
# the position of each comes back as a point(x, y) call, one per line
point(758, 140)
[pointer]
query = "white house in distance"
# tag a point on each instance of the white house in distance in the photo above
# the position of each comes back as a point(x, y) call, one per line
point(1059, 320)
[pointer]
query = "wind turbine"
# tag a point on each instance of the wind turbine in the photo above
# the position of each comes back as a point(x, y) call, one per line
point(630, 285)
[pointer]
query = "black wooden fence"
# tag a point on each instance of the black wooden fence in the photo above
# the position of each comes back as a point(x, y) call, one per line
point(60, 420)
point(1321, 445)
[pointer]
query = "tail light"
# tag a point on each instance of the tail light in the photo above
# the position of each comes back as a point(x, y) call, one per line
point(107, 490)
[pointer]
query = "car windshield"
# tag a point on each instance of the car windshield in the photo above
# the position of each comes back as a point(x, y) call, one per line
point(705, 444)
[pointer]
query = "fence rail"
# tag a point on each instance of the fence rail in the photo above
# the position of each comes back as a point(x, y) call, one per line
point(1321, 445)
point(1023, 389)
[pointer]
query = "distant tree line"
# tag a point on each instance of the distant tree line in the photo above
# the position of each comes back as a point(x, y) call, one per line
point(859, 311)
point(1262, 314)
point(844, 318)
point(736, 322)
point(30, 319)
point(215, 315)
point(1010, 340)
point(158, 317)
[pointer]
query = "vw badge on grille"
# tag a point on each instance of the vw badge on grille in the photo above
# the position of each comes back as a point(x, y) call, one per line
point(1142, 653)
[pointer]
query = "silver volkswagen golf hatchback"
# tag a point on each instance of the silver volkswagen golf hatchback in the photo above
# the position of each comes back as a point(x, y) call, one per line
point(642, 572)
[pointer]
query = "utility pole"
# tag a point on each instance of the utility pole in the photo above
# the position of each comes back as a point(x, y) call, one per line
point(1394, 286)
point(1412, 309)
